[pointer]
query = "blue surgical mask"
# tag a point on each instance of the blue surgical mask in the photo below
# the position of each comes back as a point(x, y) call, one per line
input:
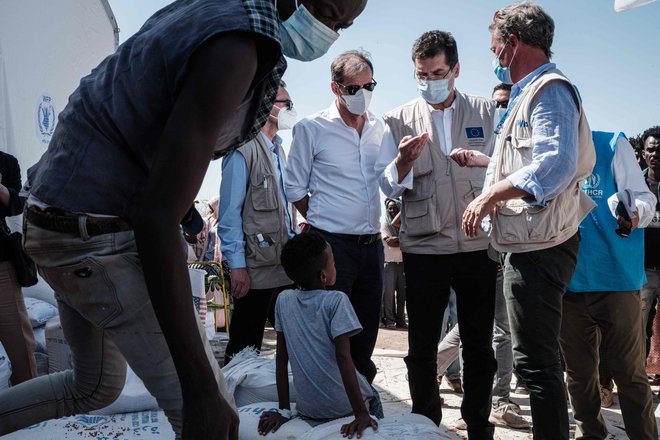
point(434, 91)
point(303, 37)
point(503, 73)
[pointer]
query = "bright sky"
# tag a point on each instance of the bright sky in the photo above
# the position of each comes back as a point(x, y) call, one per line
point(611, 57)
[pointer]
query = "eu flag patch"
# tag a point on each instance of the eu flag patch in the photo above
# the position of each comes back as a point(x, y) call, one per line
point(474, 132)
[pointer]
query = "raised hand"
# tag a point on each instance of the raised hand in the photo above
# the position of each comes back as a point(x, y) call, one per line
point(469, 158)
point(411, 147)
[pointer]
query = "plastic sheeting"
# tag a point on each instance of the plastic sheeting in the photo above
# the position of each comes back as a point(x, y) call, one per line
point(45, 48)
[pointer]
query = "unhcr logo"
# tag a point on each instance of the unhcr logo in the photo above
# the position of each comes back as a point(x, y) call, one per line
point(590, 186)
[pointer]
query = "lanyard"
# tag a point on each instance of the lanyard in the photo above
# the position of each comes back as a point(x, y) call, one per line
point(511, 106)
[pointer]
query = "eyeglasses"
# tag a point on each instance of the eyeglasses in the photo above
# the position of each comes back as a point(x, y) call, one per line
point(432, 77)
point(502, 104)
point(288, 102)
point(353, 89)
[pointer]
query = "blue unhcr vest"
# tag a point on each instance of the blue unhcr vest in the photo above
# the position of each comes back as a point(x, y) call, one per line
point(606, 262)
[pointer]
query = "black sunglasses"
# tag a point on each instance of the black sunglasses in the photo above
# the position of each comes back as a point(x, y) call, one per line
point(353, 89)
point(288, 102)
point(502, 104)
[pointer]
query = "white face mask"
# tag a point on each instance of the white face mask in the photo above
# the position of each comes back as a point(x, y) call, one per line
point(358, 103)
point(303, 37)
point(286, 119)
point(499, 114)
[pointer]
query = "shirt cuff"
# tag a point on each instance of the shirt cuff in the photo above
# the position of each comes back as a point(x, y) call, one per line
point(236, 260)
point(525, 180)
point(392, 176)
point(295, 194)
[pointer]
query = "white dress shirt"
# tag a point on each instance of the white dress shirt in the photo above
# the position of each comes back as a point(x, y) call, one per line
point(628, 175)
point(334, 165)
point(385, 166)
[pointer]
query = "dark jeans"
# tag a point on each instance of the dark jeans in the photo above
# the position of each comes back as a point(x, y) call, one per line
point(249, 317)
point(360, 276)
point(534, 284)
point(428, 279)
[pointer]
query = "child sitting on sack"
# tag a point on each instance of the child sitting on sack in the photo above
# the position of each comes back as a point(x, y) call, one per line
point(313, 329)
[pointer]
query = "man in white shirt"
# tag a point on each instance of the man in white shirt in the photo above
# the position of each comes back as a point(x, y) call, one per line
point(414, 162)
point(332, 183)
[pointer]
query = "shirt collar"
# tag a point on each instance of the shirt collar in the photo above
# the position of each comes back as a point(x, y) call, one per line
point(451, 107)
point(274, 144)
point(531, 76)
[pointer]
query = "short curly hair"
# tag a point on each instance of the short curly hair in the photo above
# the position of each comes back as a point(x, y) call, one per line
point(433, 43)
point(527, 21)
point(303, 257)
point(650, 132)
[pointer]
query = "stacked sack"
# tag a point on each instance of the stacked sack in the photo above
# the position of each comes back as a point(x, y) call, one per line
point(392, 427)
point(40, 312)
point(5, 369)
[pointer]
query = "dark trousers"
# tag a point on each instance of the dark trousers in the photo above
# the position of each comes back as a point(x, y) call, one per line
point(394, 287)
point(428, 279)
point(593, 320)
point(360, 276)
point(249, 317)
point(534, 284)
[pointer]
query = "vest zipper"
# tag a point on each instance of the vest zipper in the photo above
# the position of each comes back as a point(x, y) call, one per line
point(457, 227)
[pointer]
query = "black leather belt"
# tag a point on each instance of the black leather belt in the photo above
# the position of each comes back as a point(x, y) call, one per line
point(61, 221)
point(359, 239)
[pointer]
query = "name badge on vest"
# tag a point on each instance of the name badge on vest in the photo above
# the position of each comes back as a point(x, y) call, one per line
point(475, 136)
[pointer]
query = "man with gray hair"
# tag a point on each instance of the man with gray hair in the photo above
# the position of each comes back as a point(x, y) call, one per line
point(531, 192)
point(332, 183)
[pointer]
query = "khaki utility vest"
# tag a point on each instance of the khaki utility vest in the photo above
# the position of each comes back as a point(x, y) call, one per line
point(518, 226)
point(264, 218)
point(432, 209)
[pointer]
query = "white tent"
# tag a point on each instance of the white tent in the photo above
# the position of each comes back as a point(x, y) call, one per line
point(45, 48)
point(623, 5)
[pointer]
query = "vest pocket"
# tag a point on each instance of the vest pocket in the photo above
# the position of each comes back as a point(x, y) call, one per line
point(519, 222)
point(468, 190)
point(518, 156)
point(262, 249)
point(264, 197)
point(417, 218)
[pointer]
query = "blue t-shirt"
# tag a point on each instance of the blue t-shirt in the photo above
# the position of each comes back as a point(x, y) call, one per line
point(310, 321)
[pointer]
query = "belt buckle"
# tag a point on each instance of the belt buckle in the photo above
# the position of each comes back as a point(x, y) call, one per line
point(365, 239)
